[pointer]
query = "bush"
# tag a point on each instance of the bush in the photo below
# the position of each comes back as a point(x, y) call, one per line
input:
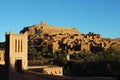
point(95, 64)
point(33, 54)
point(60, 58)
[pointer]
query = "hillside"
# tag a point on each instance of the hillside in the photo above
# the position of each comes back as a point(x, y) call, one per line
point(43, 28)
point(54, 38)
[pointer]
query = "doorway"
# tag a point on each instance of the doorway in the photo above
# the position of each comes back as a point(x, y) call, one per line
point(18, 65)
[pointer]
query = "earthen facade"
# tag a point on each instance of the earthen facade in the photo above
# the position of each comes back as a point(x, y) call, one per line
point(16, 52)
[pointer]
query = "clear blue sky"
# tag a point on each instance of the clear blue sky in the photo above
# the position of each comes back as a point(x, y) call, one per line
point(98, 16)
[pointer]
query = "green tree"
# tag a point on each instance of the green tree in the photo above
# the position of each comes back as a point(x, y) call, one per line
point(60, 58)
point(44, 51)
point(33, 54)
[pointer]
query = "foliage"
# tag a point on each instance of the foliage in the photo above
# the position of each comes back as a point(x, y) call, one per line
point(103, 63)
point(33, 54)
point(60, 58)
point(48, 55)
point(95, 64)
point(44, 50)
point(40, 58)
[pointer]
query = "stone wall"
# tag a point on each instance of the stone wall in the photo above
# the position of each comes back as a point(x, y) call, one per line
point(49, 69)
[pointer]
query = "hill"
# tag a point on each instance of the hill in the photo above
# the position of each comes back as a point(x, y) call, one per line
point(41, 36)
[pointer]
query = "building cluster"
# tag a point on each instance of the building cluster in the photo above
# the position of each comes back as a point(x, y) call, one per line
point(52, 39)
point(69, 39)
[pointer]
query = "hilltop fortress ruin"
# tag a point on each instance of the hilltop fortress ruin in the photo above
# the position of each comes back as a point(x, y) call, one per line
point(68, 39)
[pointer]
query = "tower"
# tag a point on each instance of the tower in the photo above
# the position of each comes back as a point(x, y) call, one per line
point(16, 52)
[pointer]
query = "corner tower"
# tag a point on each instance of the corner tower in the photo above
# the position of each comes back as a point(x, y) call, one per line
point(16, 52)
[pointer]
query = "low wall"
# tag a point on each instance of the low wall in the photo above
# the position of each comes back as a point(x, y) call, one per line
point(50, 69)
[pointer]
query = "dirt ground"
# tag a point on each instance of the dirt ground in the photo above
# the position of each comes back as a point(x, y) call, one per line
point(96, 78)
